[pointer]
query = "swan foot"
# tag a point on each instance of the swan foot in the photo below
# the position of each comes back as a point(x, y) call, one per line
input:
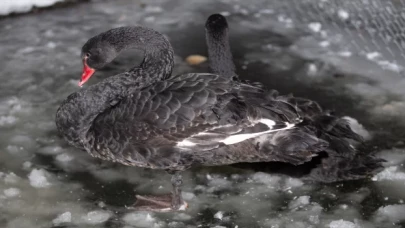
point(162, 203)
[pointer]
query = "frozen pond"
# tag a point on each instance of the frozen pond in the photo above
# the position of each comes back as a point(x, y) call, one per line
point(45, 183)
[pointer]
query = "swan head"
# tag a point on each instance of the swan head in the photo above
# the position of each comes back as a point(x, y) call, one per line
point(216, 23)
point(96, 53)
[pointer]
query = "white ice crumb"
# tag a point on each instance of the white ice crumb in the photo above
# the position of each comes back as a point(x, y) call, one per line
point(7, 120)
point(268, 179)
point(342, 224)
point(11, 192)
point(225, 13)
point(299, 202)
point(393, 213)
point(96, 217)
point(50, 150)
point(266, 11)
point(150, 19)
point(357, 127)
point(324, 43)
point(315, 26)
point(390, 66)
point(26, 165)
point(153, 9)
point(188, 196)
point(139, 219)
point(390, 173)
point(51, 45)
point(21, 6)
point(182, 217)
point(293, 183)
point(312, 69)
point(63, 218)
point(372, 55)
point(219, 215)
point(64, 157)
point(343, 14)
point(38, 178)
point(345, 53)
point(11, 178)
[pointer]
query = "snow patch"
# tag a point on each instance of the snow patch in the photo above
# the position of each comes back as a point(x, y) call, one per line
point(22, 6)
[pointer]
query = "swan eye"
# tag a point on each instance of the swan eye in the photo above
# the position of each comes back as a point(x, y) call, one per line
point(87, 55)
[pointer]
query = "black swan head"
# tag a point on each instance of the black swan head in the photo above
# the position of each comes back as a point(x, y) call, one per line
point(100, 50)
point(216, 23)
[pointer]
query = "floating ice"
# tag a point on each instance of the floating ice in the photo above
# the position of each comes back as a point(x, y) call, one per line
point(219, 215)
point(11, 178)
point(63, 218)
point(96, 217)
point(342, 224)
point(390, 173)
point(65, 157)
point(299, 202)
point(373, 55)
point(153, 9)
point(357, 127)
point(391, 213)
point(12, 192)
point(7, 120)
point(267, 179)
point(22, 6)
point(50, 150)
point(140, 219)
point(182, 217)
point(38, 178)
point(343, 14)
point(315, 26)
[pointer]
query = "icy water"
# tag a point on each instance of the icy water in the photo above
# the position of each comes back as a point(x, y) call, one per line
point(45, 183)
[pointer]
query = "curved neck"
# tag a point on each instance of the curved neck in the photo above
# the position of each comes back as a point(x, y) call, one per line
point(158, 53)
point(75, 116)
point(219, 52)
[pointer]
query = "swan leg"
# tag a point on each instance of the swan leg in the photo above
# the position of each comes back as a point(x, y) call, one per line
point(163, 203)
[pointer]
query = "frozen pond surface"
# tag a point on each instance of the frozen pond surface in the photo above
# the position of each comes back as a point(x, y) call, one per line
point(45, 183)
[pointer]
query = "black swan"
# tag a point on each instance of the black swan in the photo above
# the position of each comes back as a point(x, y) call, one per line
point(343, 161)
point(148, 118)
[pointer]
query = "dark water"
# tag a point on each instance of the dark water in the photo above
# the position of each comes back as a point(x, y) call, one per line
point(42, 177)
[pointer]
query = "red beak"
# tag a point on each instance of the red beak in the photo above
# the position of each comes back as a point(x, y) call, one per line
point(87, 73)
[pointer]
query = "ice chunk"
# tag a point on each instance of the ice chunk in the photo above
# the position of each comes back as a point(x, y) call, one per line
point(343, 14)
point(188, 195)
point(392, 213)
point(342, 224)
point(65, 157)
point(373, 55)
point(315, 26)
point(96, 217)
point(139, 219)
point(293, 183)
point(63, 218)
point(11, 178)
point(50, 150)
point(23, 6)
point(182, 217)
point(390, 173)
point(38, 178)
point(7, 120)
point(267, 179)
point(357, 127)
point(153, 9)
point(299, 202)
point(219, 215)
point(11, 192)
